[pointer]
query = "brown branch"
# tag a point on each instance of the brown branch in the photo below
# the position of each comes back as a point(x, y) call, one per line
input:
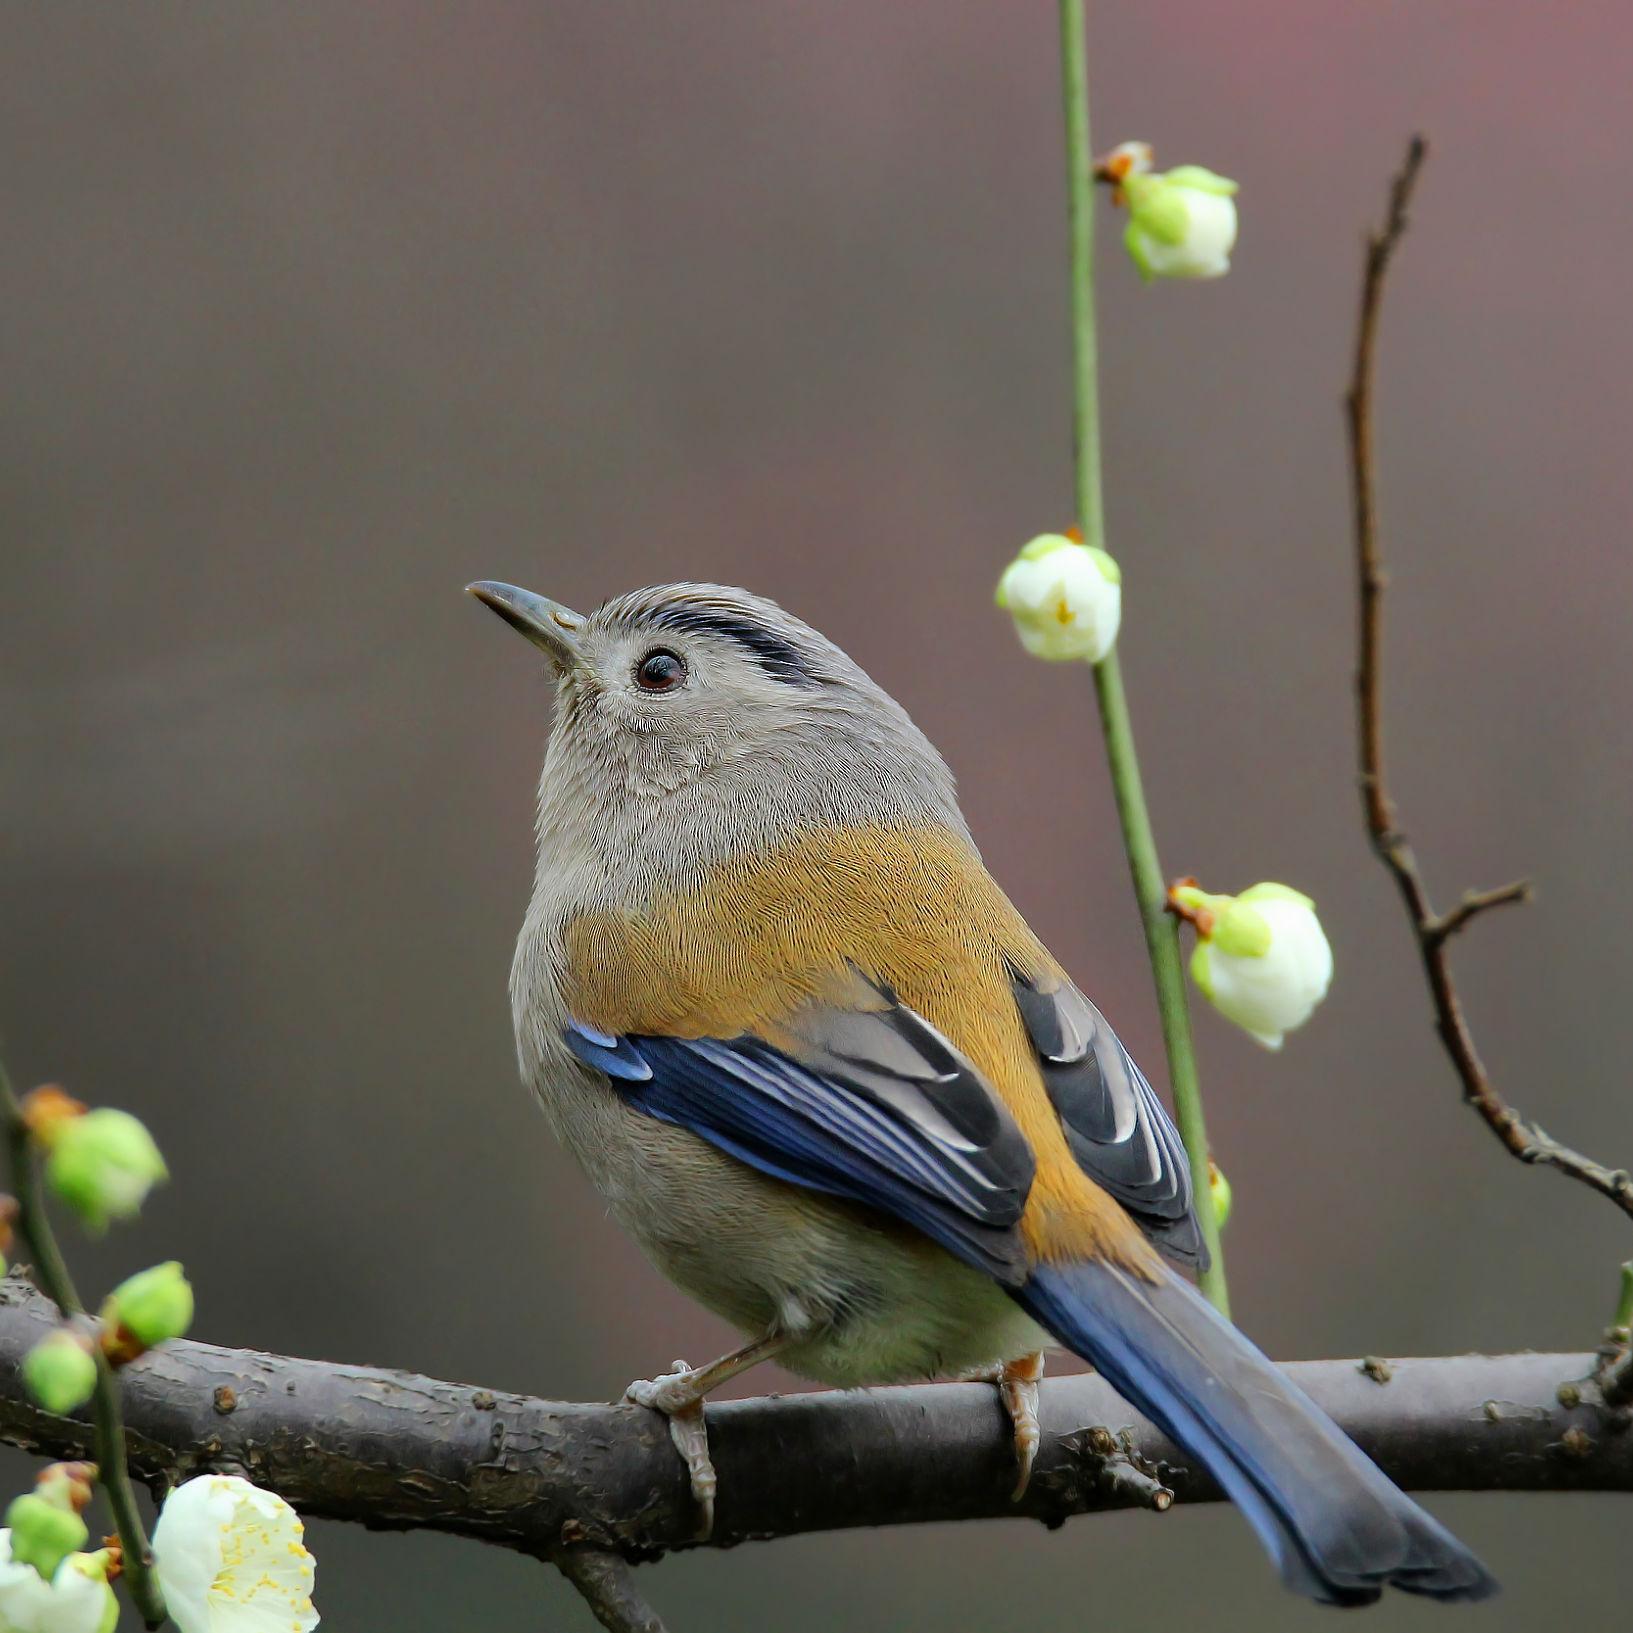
point(1473, 904)
point(607, 1584)
point(1523, 1139)
point(548, 1478)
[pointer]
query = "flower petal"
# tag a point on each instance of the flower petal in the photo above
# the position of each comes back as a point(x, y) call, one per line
point(231, 1559)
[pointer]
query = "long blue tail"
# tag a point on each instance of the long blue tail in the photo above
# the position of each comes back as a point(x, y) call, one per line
point(1337, 1528)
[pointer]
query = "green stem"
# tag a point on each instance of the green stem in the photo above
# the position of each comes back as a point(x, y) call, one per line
point(1624, 1304)
point(1150, 888)
point(52, 1269)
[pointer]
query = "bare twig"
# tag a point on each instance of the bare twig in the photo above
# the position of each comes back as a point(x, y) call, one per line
point(1523, 1139)
point(607, 1584)
point(1120, 1469)
point(1473, 904)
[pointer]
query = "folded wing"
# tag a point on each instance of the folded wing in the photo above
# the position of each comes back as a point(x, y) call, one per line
point(859, 1097)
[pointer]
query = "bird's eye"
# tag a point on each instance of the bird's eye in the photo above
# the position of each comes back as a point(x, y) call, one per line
point(660, 671)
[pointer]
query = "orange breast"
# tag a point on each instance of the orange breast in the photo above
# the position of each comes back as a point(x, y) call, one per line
point(913, 908)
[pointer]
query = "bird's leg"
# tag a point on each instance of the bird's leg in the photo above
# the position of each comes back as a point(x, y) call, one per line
point(679, 1393)
point(1017, 1383)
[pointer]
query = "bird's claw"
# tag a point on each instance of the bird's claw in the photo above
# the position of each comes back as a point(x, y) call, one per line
point(1020, 1392)
point(675, 1396)
point(1017, 1383)
point(673, 1392)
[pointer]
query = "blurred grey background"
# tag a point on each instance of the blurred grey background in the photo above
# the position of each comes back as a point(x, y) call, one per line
point(310, 315)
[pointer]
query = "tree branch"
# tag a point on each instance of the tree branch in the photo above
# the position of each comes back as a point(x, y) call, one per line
point(1523, 1139)
point(391, 1450)
point(607, 1585)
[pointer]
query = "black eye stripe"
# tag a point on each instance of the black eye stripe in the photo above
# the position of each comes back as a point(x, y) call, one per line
point(780, 659)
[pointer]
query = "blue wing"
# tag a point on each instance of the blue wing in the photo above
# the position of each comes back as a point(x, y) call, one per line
point(881, 1110)
point(1117, 1128)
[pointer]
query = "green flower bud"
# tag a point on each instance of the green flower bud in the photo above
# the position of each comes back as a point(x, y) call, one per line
point(1219, 1189)
point(60, 1372)
point(103, 1165)
point(152, 1307)
point(42, 1534)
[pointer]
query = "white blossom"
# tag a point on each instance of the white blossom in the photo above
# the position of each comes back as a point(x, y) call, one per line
point(231, 1560)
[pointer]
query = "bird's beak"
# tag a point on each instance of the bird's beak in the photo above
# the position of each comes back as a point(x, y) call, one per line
point(547, 624)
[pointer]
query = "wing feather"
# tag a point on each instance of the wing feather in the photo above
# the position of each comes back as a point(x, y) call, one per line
point(1118, 1130)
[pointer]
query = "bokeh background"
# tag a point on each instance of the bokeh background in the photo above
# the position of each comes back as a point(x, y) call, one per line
point(310, 315)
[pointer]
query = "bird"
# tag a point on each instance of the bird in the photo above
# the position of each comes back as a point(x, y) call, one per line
point(820, 1068)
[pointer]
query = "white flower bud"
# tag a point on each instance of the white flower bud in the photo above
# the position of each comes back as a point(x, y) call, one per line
point(1261, 959)
point(1181, 223)
point(1066, 599)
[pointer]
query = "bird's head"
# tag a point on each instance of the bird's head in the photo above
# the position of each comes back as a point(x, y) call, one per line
point(696, 694)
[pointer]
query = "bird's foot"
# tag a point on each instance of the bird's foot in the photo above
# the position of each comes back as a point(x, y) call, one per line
point(678, 1396)
point(679, 1393)
point(1017, 1383)
point(1019, 1387)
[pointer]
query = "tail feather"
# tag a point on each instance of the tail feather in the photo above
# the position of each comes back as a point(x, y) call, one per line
point(1337, 1528)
